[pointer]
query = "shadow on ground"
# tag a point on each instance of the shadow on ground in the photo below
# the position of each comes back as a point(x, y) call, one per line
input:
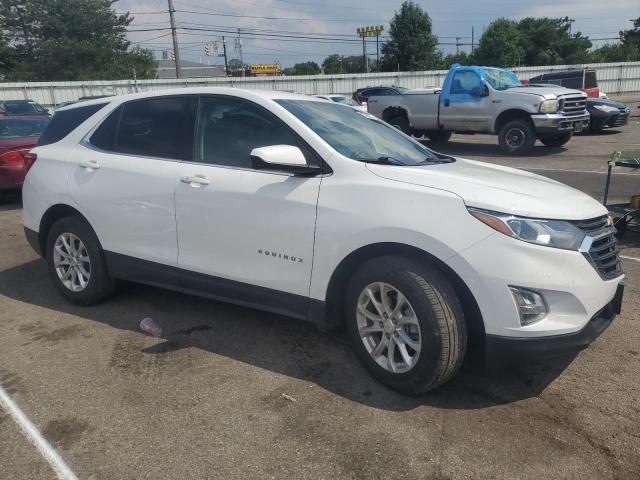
point(275, 343)
point(471, 149)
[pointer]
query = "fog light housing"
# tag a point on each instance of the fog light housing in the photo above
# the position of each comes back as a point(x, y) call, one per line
point(531, 305)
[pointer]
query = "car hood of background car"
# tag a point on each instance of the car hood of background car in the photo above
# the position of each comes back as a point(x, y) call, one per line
point(497, 188)
point(603, 101)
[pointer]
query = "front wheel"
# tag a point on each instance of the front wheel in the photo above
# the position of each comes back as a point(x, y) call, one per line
point(556, 140)
point(76, 262)
point(401, 123)
point(517, 137)
point(438, 136)
point(406, 323)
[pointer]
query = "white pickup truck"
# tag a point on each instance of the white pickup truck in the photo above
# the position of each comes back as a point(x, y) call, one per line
point(487, 100)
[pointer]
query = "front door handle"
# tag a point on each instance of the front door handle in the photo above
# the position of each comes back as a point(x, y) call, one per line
point(196, 180)
point(446, 102)
point(89, 165)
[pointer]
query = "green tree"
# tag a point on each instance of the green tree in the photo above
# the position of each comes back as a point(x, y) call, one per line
point(70, 40)
point(306, 68)
point(235, 67)
point(345, 64)
point(546, 41)
point(411, 44)
point(621, 52)
point(632, 37)
point(462, 58)
point(499, 45)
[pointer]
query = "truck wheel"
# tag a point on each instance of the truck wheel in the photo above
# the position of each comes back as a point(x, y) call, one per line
point(76, 262)
point(406, 323)
point(401, 123)
point(556, 140)
point(438, 136)
point(517, 137)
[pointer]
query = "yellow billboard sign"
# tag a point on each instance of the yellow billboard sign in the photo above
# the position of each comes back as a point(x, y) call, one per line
point(262, 68)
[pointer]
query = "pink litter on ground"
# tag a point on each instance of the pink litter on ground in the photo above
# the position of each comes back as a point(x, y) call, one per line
point(149, 326)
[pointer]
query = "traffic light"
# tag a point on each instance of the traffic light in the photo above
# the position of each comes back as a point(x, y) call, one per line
point(173, 56)
point(208, 50)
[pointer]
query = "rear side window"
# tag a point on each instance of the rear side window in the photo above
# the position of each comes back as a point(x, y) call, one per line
point(65, 121)
point(590, 80)
point(157, 127)
point(105, 136)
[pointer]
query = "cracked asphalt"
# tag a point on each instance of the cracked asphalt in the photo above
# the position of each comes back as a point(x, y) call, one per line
point(229, 392)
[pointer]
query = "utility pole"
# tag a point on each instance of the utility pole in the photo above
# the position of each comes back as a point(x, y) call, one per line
point(472, 40)
point(239, 47)
point(224, 50)
point(569, 21)
point(458, 45)
point(175, 38)
point(378, 52)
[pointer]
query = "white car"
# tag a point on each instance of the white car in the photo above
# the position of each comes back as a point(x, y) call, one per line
point(344, 100)
point(305, 208)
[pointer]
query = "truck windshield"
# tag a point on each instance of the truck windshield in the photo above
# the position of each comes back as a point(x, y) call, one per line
point(358, 135)
point(501, 79)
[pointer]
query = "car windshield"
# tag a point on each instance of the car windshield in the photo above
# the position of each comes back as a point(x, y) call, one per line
point(344, 101)
point(16, 128)
point(501, 79)
point(21, 108)
point(360, 136)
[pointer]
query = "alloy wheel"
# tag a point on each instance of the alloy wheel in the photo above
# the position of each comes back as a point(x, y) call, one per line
point(71, 261)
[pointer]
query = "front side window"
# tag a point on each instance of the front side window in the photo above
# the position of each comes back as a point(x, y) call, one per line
point(464, 82)
point(358, 135)
point(230, 128)
point(157, 127)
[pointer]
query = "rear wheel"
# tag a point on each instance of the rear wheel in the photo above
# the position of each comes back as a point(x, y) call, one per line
point(401, 123)
point(438, 136)
point(406, 323)
point(517, 137)
point(76, 262)
point(556, 140)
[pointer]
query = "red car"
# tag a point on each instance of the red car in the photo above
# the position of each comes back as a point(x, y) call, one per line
point(18, 134)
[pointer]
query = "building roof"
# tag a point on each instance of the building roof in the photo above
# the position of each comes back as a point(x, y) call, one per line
point(167, 69)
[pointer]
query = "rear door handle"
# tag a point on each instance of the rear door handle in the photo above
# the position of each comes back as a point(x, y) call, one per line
point(446, 102)
point(89, 165)
point(196, 180)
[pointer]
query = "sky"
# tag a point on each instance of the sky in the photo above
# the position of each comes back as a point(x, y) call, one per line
point(330, 26)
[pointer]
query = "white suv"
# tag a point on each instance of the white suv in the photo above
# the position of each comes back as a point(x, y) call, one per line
point(302, 207)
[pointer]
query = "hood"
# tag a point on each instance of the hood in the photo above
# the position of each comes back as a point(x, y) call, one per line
point(497, 188)
point(546, 91)
point(604, 101)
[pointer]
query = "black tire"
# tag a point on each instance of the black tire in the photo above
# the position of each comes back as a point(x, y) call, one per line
point(517, 137)
point(401, 123)
point(443, 331)
point(556, 140)
point(438, 136)
point(100, 285)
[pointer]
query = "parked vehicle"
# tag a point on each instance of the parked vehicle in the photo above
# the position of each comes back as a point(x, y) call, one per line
point(362, 95)
point(306, 208)
point(606, 114)
point(343, 100)
point(17, 136)
point(22, 107)
point(584, 79)
point(486, 100)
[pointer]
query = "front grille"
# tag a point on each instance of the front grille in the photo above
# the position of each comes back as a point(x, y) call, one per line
point(571, 106)
point(600, 246)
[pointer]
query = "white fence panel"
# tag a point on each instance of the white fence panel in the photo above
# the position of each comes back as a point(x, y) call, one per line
point(612, 77)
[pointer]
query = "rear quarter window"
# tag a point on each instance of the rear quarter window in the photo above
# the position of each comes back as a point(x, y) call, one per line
point(66, 121)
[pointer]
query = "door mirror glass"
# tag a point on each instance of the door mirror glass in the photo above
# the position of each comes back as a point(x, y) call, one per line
point(278, 157)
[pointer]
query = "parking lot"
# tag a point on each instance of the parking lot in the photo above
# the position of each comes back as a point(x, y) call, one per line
point(230, 392)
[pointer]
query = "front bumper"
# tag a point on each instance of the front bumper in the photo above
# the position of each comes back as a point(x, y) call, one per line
point(601, 120)
point(501, 350)
point(550, 123)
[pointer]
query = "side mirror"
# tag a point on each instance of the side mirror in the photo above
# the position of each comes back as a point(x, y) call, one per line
point(282, 158)
point(480, 91)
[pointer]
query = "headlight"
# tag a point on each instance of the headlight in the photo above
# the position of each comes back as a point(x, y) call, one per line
point(549, 106)
point(606, 108)
point(551, 233)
